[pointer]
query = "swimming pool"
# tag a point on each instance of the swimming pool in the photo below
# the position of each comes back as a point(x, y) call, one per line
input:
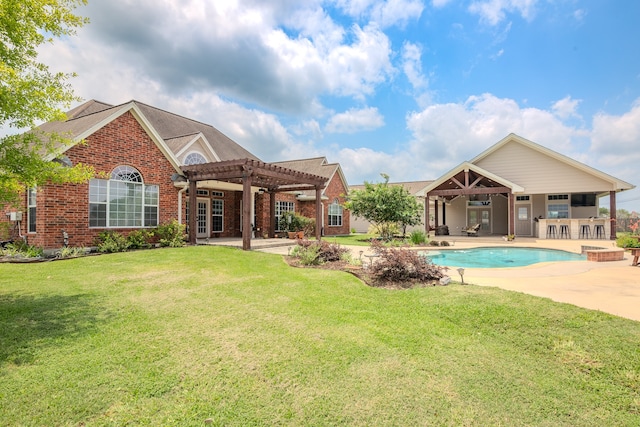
point(495, 257)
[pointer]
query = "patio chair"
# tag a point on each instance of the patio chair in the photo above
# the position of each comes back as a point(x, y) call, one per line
point(472, 231)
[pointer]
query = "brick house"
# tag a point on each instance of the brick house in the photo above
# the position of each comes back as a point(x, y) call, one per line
point(152, 164)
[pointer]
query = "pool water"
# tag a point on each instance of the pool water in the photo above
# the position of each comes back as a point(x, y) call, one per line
point(499, 257)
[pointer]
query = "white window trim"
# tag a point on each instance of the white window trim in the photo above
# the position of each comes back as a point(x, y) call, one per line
point(32, 195)
point(144, 206)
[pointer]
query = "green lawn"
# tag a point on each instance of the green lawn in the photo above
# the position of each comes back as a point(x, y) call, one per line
point(179, 336)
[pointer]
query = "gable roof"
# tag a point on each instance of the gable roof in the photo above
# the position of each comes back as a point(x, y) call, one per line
point(316, 166)
point(617, 184)
point(489, 177)
point(170, 131)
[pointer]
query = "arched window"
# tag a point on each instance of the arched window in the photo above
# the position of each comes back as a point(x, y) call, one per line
point(126, 173)
point(194, 159)
point(123, 201)
point(335, 213)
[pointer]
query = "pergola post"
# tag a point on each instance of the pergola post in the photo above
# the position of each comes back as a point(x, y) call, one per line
point(318, 213)
point(193, 210)
point(246, 210)
point(612, 214)
point(272, 214)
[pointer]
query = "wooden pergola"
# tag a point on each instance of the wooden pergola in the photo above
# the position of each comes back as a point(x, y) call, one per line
point(253, 173)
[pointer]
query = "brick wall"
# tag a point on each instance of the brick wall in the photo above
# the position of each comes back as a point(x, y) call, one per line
point(335, 189)
point(66, 206)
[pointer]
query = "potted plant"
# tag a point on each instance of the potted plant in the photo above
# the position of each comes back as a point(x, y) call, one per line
point(294, 224)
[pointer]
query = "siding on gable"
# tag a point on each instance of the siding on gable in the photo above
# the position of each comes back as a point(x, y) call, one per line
point(538, 173)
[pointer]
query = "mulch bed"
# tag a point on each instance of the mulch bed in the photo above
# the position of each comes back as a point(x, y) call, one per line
point(360, 273)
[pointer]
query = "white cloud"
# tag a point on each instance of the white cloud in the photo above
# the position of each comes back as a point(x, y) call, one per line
point(355, 120)
point(616, 139)
point(385, 13)
point(365, 164)
point(412, 65)
point(440, 3)
point(566, 108)
point(494, 11)
point(283, 56)
point(396, 12)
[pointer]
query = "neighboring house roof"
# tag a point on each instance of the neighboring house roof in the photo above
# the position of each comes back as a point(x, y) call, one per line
point(413, 187)
point(171, 132)
point(541, 170)
point(316, 166)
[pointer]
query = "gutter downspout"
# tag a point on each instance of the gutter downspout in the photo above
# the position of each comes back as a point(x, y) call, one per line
point(182, 190)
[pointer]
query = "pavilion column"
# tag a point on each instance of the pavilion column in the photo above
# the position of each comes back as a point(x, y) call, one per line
point(444, 213)
point(272, 214)
point(193, 210)
point(426, 214)
point(246, 210)
point(435, 214)
point(612, 214)
point(512, 216)
point(318, 213)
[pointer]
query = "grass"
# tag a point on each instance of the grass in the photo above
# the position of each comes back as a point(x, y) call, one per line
point(179, 336)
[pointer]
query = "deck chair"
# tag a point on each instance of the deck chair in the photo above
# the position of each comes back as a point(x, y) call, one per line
point(472, 231)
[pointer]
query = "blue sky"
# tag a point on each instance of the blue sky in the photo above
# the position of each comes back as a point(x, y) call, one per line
point(410, 88)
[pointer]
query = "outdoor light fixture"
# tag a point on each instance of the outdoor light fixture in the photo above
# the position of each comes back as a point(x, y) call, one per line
point(461, 271)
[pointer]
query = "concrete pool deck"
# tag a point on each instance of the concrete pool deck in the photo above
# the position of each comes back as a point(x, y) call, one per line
point(612, 287)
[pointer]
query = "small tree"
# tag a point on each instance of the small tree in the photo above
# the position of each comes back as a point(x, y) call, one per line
point(385, 206)
point(30, 93)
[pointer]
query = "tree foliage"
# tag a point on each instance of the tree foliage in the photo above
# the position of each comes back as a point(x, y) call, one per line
point(30, 93)
point(385, 206)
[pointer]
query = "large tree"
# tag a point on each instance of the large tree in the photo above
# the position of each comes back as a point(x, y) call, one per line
point(31, 93)
point(385, 206)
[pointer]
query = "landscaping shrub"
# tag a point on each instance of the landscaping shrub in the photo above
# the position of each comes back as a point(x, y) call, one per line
point(628, 241)
point(140, 239)
point(22, 249)
point(314, 253)
point(70, 252)
point(434, 243)
point(418, 237)
point(110, 241)
point(445, 243)
point(403, 265)
point(292, 221)
point(308, 255)
point(171, 234)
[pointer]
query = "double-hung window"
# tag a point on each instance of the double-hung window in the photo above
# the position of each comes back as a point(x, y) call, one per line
point(335, 213)
point(217, 215)
point(123, 201)
point(31, 210)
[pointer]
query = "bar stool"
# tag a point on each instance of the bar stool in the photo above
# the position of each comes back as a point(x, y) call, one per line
point(551, 231)
point(598, 231)
point(565, 233)
point(585, 231)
